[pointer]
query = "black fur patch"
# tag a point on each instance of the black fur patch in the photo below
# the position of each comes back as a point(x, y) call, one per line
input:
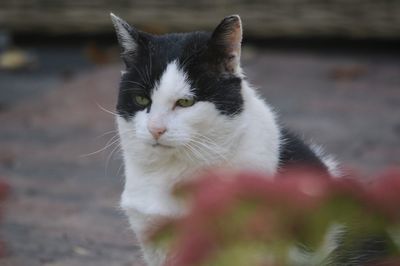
point(362, 250)
point(209, 82)
point(294, 152)
point(191, 51)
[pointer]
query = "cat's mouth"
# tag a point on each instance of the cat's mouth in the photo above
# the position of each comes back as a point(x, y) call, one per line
point(159, 145)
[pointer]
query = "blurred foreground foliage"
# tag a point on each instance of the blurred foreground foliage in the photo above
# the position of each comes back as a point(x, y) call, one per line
point(301, 217)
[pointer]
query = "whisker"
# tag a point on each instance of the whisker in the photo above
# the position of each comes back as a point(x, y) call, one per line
point(195, 152)
point(102, 149)
point(150, 62)
point(204, 149)
point(148, 71)
point(140, 74)
point(187, 154)
point(128, 131)
point(191, 57)
point(210, 145)
point(134, 82)
point(109, 158)
point(119, 168)
point(106, 133)
point(105, 110)
point(113, 140)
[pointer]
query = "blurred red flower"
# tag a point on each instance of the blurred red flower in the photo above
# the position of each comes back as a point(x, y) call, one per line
point(251, 218)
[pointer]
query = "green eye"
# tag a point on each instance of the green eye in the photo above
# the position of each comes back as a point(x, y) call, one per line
point(185, 102)
point(142, 100)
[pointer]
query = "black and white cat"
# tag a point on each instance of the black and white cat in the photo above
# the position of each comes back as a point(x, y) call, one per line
point(184, 104)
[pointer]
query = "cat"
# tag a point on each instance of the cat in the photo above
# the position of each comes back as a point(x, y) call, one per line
point(184, 104)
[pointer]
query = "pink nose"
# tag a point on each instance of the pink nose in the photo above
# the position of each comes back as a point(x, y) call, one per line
point(157, 131)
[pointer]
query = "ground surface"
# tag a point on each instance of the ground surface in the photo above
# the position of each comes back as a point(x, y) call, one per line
point(63, 206)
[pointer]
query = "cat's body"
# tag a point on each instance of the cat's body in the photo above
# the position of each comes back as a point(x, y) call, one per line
point(147, 192)
point(185, 105)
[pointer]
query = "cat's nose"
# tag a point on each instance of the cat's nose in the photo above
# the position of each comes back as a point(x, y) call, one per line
point(157, 132)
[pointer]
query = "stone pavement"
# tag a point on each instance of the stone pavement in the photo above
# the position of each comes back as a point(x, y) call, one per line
point(63, 208)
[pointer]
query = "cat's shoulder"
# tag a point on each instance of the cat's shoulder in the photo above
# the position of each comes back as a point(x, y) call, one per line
point(295, 151)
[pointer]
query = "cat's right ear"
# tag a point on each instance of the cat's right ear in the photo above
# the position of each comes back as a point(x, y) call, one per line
point(127, 38)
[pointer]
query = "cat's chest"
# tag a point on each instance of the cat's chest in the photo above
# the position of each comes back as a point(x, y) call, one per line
point(148, 196)
point(150, 192)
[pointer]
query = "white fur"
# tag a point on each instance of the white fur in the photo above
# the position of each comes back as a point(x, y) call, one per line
point(199, 136)
point(329, 161)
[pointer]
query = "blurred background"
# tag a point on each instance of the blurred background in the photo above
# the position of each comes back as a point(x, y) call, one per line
point(330, 68)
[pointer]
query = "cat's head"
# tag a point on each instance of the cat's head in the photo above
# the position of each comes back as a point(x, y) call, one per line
point(180, 93)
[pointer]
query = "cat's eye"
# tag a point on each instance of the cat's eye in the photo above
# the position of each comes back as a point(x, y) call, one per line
point(142, 100)
point(185, 102)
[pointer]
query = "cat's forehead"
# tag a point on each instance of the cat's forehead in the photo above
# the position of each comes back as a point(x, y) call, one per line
point(161, 50)
point(176, 45)
point(158, 55)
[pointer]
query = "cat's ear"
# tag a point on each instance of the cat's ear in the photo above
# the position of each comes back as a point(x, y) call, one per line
point(226, 43)
point(127, 38)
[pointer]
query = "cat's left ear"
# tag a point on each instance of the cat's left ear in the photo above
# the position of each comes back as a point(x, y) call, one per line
point(226, 43)
point(127, 38)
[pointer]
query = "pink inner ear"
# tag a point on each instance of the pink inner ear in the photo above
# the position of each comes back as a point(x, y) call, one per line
point(235, 40)
point(228, 37)
point(228, 34)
